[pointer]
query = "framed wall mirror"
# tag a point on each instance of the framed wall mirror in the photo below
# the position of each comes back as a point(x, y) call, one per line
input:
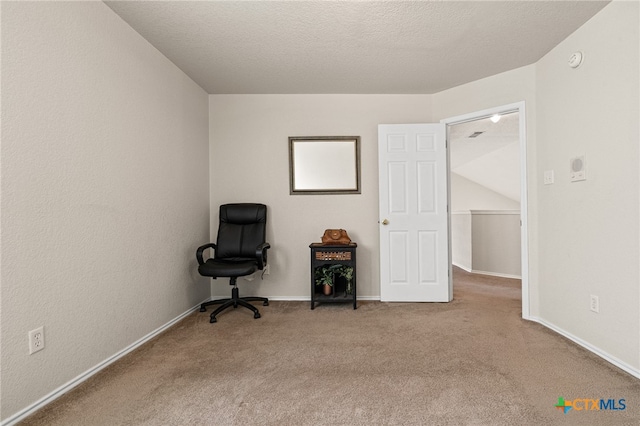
point(324, 165)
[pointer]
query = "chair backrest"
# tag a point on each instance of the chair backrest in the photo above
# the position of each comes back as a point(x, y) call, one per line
point(242, 228)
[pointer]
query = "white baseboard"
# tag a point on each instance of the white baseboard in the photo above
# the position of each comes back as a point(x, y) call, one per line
point(493, 274)
point(22, 414)
point(299, 298)
point(496, 274)
point(374, 298)
point(463, 267)
point(602, 354)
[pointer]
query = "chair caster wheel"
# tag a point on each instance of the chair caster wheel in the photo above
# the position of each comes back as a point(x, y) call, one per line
point(256, 315)
point(266, 303)
point(203, 309)
point(213, 319)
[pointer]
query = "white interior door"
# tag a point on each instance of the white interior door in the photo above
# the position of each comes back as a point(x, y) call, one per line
point(414, 233)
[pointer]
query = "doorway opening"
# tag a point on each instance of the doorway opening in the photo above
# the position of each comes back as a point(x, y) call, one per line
point(488, 194)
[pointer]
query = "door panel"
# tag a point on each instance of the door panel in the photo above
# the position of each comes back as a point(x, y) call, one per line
point(397, 184)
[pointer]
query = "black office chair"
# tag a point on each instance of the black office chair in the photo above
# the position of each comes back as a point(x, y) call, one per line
point(240, 250)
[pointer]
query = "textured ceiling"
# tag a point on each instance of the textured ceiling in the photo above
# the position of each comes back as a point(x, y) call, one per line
point(351, 47)
point(493, 158)
point(414, 47)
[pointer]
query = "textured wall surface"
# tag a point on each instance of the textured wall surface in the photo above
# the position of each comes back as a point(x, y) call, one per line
point(495, 237)
point(250, 162)
point(104, 192)
point(589, 230)
point(503, 89)
point(583, 236)
point(487, 242)
point(469, 195)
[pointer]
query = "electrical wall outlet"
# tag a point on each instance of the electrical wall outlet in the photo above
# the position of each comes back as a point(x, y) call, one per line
point(594, 304)
point(548, 177)
point(36, 340)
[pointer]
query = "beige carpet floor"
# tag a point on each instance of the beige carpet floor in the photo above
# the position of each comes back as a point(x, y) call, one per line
point(473, 361)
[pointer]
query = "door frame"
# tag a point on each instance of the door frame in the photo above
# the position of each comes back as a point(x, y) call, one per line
point(518, 107)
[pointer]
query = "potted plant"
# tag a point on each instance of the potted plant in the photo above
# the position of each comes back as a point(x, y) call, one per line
point(346, 272)
point(325, 275)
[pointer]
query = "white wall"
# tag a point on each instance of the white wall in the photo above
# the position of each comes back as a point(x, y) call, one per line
point(495, 236)
point(487, 242)
point(583, 237)
point(589, 231)
point(461, 247)
point(104, 192)
point(468, 253)
point(469, 195)
point(503, 89)
point(104, 184)
point(250, 162)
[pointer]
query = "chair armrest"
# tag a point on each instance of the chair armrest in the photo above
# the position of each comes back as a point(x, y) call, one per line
point(201, 250)
point(261, 254)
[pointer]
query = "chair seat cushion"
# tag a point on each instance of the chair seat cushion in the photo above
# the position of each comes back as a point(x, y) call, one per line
point(228, 267)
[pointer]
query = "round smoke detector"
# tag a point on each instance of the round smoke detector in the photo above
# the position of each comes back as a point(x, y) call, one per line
point(576, 60)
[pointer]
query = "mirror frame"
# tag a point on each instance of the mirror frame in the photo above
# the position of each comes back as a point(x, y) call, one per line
point(295, 140)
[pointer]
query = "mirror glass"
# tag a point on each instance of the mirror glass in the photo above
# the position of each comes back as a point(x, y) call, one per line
point(324, 165)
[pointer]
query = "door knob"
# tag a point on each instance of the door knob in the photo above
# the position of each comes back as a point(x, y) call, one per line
point(385, 222)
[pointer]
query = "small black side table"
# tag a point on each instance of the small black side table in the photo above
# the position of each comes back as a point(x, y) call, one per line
point(326, 255)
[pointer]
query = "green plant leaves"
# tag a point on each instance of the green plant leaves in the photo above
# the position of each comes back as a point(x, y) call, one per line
point(324, 275)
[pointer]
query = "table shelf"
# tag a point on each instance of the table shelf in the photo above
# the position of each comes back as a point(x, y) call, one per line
point(327, 255)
